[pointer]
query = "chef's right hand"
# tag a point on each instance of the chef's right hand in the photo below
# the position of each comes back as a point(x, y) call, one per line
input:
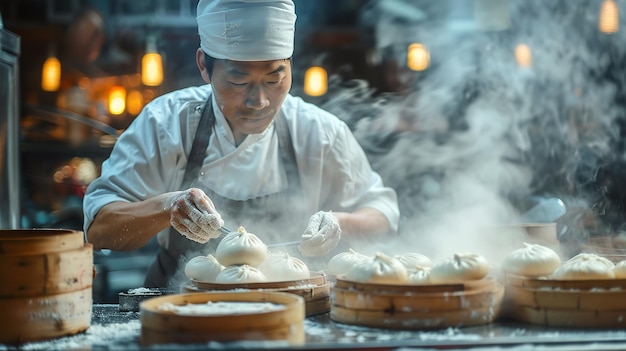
point(193, 215)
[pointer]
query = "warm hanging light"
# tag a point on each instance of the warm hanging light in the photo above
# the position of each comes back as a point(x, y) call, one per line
point(315, 81)
point(523, 55)
point(117, 100)
point(51, 74)
point(609, 17)
point(151, 64)
point(418, 57)
point(134, 102)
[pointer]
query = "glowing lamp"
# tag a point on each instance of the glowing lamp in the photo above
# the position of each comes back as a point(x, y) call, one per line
point(134, 102)
point(523, 55)
point(609, 17)
point(151, 65)
point(418, 57)
point(51, 74)
point(117, 100)
point(315, 81)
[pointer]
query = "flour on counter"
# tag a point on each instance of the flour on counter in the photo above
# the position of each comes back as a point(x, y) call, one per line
point(97, 336)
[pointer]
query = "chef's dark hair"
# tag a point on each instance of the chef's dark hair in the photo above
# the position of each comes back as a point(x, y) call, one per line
point(208, 63)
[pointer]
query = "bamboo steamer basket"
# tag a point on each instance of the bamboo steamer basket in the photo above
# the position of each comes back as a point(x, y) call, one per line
point(315, 290)
point(416, 306)
point(567, 303)
point(47, 277)
point(159, 326)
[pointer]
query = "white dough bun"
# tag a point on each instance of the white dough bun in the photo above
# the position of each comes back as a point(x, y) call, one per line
point(241, 247)
point(410, 260)
point(532, 260)
point(240, 274)
point(342, 262)
point(459, 268)
point(381, 269)
point(283, 267)
point(203, 268)
point(585, 266)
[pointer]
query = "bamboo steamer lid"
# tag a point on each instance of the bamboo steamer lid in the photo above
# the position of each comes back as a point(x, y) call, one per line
point(315, 290)
point(159, 326)
point(416, 306)
point(47, 279)
point(35, 241)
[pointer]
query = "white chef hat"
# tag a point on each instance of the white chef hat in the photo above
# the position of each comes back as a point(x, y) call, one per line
point(247, 30)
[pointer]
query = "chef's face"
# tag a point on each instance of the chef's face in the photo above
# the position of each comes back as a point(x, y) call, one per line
point(249, 94)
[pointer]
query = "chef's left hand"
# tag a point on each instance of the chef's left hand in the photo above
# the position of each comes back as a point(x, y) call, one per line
point(321, 235)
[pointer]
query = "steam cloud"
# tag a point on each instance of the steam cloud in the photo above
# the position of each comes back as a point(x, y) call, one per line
point(476, 134)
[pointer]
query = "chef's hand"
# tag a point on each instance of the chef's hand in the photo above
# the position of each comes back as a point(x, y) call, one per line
point(321, 236)
point(193, 215)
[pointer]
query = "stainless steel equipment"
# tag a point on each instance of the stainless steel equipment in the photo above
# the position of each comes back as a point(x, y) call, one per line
point(9, 130)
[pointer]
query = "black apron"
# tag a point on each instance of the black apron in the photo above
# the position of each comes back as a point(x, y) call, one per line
point(265, 212)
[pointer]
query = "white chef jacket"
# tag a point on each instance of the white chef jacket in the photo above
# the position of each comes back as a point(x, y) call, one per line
point(150, 156)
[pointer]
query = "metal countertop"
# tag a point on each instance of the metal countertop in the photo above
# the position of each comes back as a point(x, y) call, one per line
point(112, 329)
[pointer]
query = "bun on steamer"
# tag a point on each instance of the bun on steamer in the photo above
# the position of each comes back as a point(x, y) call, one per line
point(459, 268)
point(342, 262)
point(381, 269)
point(418, 275)
point(203, 268)
point(411, 260)
point(532, 260)
point(620, 270)
point(241, 247)
point(585, 266)
point(240, 274)
point(282, 267)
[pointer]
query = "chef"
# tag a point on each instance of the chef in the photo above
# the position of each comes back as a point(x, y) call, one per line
point(238, 151)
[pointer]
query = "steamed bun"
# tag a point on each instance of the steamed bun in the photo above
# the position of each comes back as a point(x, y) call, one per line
point(283, 267)
point(241, 247)
point(411, 260)
point(459, 268)
point(342, 262)
point(585, 266)
point(532, 260)
point(620, 270)
point(418, 275)
point(203, 268)
point(240, 274)
point(380, 269)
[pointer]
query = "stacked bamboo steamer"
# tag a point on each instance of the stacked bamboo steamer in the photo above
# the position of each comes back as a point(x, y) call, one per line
point(315, 290)
point(421, 306)
point(585, 291)
point(383, 291)
point(567, 303)
point(161, 325)
point(46, 289)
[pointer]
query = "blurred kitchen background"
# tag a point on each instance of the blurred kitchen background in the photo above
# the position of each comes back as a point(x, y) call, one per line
point(468, 108)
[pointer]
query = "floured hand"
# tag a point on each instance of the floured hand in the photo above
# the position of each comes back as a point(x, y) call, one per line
point(193, 215)
point(321, 235)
